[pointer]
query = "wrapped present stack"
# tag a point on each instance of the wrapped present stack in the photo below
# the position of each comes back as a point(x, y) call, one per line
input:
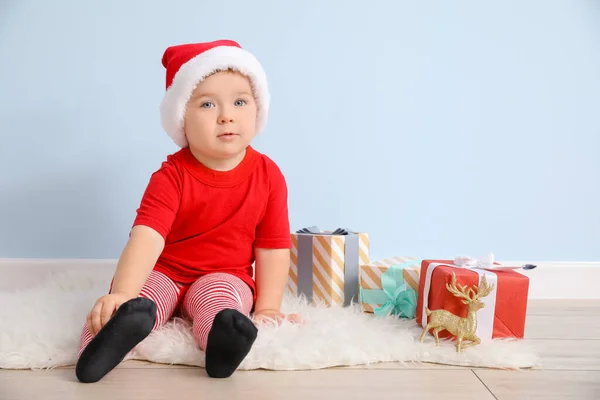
point(477, 300)
point(390, 286)
point(324, 265)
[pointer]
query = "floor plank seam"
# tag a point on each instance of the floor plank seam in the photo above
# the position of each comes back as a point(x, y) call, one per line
point(568, 370)
point(565, 339)
point(483, 383)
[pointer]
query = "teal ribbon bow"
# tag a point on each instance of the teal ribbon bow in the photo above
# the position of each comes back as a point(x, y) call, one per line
point(396, 297)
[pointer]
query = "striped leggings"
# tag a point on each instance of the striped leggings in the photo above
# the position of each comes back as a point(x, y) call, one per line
point(200, 303)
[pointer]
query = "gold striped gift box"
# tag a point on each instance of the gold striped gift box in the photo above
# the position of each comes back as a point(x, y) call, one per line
point(370, 276)
point(324, 265)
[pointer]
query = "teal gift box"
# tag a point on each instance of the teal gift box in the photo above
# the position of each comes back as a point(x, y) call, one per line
point(390, 286)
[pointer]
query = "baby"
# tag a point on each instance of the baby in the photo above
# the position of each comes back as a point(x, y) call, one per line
point(211, 211)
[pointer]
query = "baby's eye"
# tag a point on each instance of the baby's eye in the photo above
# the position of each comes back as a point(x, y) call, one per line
point(207, 104)
point(240, 102)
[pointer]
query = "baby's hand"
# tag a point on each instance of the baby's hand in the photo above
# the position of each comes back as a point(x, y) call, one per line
point(263, 316)
point(104, 309)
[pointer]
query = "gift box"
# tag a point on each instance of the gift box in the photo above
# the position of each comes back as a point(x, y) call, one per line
point(324, 264)
point(504, 307)
point(390, 286)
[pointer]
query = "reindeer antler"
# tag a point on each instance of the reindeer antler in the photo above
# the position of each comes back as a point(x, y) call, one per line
point(461, 291)
point(484, 288)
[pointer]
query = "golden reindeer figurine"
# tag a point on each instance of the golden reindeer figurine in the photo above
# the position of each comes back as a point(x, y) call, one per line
point(462, 328)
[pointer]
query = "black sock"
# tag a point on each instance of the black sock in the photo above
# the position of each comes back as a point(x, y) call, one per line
point(229, 341)
point(131, 324)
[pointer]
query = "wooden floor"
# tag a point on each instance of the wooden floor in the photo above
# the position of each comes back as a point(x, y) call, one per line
point(566, 333)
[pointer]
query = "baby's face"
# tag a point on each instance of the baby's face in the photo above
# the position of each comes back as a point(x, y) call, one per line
point(220, 118)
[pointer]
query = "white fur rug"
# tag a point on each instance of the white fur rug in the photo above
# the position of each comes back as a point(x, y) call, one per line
point(40, 328)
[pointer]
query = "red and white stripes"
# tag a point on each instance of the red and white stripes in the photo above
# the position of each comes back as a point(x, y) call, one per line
point(165, 293)
point(203, 300)
point(211, 294)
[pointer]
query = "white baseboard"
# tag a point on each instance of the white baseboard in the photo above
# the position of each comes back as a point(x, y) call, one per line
point(20, 273)
point(550, 280)
point(562, 280)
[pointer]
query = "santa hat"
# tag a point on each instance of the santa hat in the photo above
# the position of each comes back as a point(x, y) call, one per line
point(188, 64)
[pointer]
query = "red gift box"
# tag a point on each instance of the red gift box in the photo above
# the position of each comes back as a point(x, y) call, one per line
point(503, 315)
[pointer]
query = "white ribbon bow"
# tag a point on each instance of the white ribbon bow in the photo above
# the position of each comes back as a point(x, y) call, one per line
point(486, 262)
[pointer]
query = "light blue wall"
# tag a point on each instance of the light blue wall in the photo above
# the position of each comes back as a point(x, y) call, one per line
point(440, 128)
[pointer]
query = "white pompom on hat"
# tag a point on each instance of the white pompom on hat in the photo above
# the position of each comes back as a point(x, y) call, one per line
point(188, 64)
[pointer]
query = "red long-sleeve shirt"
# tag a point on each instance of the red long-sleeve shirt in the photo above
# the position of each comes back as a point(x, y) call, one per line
point(213, 220)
